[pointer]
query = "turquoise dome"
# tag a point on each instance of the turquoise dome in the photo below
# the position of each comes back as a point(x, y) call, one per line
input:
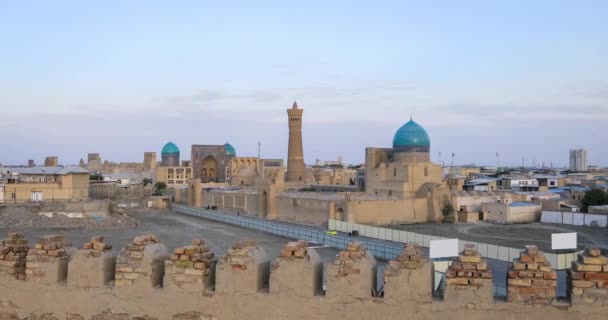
point(170, 148)
point(411, 137)
point(230, 151)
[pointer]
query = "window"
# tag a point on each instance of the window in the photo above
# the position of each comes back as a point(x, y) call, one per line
point(426, 171)
point(394, 172)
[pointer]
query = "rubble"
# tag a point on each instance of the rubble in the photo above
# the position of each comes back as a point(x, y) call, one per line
point(470, 269)
point(51, 250)
point(410, 258)
point(292, 250)
point(245, 268)
point(13, 253)
point(408, 276)
point(355, 264)
point(190, 267)
point(129, 263)
point(469, 280)
point(96, 247)
point(531, 278)
point(589, 276)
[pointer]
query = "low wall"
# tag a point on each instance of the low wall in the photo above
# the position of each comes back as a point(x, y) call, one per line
point(575, 218)
point(293, 299)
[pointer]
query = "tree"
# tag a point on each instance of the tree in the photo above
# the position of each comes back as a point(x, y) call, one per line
point(147, 181)
point(594, 197)
point(159, 188)
point(447, 210)
point(96, 177)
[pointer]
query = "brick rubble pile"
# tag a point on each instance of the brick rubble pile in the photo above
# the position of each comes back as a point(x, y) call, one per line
point(469, 269)
point(410, 258)
point(349, 259)
point(190, 265)
point(240, 254)
point(589, 274)
point(295, 250)
point(531, 278)
point(13, 253)
point(129, 260)
point(47, 249)
point(96, 247)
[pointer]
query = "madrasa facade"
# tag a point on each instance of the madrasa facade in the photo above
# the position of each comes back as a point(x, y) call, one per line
point(395, 185)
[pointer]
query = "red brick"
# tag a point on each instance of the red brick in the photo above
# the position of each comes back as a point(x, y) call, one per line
point(513, 274)
point(596, 276)
point(550, 275)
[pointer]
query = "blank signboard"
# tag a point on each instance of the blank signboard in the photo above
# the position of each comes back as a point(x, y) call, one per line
point(561, 241)
point(444, 248)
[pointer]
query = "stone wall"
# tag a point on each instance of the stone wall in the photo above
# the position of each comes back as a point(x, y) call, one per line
point(242, 277)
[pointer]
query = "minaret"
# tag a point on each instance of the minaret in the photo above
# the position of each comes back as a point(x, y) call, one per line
point(295, 154)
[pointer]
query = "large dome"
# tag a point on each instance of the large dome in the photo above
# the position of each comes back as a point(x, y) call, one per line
point(230, 149)
point(411, 137)
point(170, 148)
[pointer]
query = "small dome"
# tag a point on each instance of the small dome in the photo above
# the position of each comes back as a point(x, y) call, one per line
point(230, 149)
point(411, 137)
point(170, 148)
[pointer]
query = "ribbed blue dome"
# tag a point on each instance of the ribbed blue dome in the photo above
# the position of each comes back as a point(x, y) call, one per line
point(411, 137)
point(170, 148)
point(230, 149)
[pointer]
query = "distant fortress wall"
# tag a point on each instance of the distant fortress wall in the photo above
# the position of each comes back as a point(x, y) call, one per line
point(147, 281)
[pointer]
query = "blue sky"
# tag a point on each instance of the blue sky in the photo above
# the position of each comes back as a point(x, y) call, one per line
point(523, 78)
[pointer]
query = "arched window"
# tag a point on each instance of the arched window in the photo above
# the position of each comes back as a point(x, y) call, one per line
point(426, 171)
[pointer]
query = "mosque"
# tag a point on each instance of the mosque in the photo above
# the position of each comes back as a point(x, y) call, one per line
point(397, 185)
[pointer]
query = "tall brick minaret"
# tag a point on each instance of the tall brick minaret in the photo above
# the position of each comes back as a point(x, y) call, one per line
point(295, 154)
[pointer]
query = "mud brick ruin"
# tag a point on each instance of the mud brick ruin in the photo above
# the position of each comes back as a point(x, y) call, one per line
point(589, 278)
point(296, 258)
point(353, 265)
point(48, 260)
point(191, 268)
point(409, 276)
point(13, 252)
point(96, 265)
point(244, 268)
point(141, 263)
point(531, 278)
point(295, 283)
point(468, 279)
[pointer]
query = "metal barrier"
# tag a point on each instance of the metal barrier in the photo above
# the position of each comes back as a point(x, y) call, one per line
point(380, 249)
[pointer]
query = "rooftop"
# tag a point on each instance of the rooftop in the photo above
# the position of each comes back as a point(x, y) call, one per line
point(523, 204)
point(50, 170)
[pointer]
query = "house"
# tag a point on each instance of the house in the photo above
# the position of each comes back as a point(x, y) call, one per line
point(46, 184)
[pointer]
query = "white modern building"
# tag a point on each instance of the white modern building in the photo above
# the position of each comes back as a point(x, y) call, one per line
point(578, 160)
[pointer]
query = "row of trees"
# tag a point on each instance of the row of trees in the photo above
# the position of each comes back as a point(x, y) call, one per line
point(594, 197)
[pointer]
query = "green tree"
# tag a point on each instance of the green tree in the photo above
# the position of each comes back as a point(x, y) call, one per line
point(96, 177)
point(447, 210)
point(594, 197)
point(159, 188)
point(147, 181)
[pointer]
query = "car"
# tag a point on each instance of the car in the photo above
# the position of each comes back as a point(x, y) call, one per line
point(331, 232)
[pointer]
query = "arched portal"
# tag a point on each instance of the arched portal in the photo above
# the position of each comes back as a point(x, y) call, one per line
point(209, 170)
point(264, 205)
point(340, 214)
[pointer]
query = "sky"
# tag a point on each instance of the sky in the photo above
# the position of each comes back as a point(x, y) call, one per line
point(526, 79)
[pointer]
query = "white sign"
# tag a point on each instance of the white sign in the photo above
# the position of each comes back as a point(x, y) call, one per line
point(444, 248)
point(563, 241)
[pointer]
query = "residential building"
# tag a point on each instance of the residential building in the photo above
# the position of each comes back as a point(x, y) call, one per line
point(578, 160)
point(46, 184)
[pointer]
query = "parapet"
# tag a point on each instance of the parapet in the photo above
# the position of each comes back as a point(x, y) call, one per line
point(48, 261)
point(531, 278)
point(13, 252)
point(409, 276)
point(190, 268)
point(352, 274)
point(93, 266)
point(468, 280)
point(589, 279)
point(244, 269)
point(141, 263)
point(297, 271)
